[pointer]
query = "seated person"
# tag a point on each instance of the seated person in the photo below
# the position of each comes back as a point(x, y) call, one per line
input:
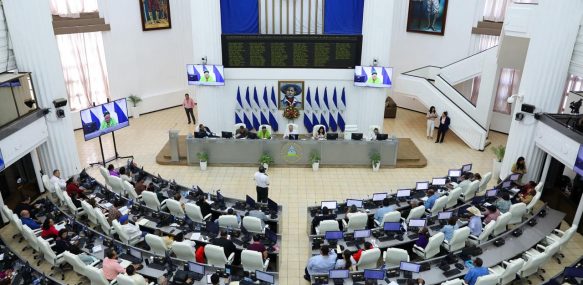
point(227, 245)
point(241, 132)
point(255, 212)
point(356, 256)
point(264, 133)
point(387, 208)
point(472, 275)
point(56, 178)
point(123, 175)
point(205, 207)
point(491, 214)
point(322, 263)
point(132, 230)
point(351, 211)
point(152, 188)
point(25, 205)
point(27, 220)
point(476, 177)
point(448, 229)
point(431, 198)
point(290, 131)
point(63, 243)
point(373, 135)
point(73, 187)
point(321, 134)
point(326, 215)
point(111, 267)
point(48, 229)
point(347, 262)
point(230, 211)
point(138, 279)
point(140, 185)
point(113, 212)
point(475, 223)
point(463, 181)
point(180, 238)
point(526, 198)
point(112, 170)
point(504, 203)
point(257, 245)
point(423, 238)
point(75, 201)
point(205, 132)
point(530, 185)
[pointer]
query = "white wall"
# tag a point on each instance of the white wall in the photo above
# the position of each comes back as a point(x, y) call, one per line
point(149, 64)
point(414, 50)
point(24, 141)
point(7, 61)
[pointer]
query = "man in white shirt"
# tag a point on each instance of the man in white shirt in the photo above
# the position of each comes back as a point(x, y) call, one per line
point(290, 131)
point(132, 230)
point(262, 182)
point(56, 178)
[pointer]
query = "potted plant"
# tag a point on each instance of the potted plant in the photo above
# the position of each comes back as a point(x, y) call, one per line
point(265, 159)
point(203, 157)
point(375, 159)
point(315, 160)
point(134, 107)
point(497, 162)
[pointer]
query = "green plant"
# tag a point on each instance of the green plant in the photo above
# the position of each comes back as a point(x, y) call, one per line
point(135, 100)
point(202, 156)
point(314, 157)
point(375, 157)
point(265, 159)
point(499, 152)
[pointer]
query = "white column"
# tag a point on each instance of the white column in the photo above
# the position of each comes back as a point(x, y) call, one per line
point(555, 26)
point(35, 48)
point(37, 168)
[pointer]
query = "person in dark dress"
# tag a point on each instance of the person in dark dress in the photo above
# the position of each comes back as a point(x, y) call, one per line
point(443, 127)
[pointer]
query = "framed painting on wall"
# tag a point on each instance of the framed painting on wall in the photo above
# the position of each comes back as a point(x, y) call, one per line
point(427, 16)
point(291, 93)
point(155, 14)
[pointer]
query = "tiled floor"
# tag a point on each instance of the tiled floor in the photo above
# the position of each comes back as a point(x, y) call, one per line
point(297, 188)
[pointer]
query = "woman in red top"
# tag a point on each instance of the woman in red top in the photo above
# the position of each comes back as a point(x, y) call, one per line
point(367, 246)
point(49, 230)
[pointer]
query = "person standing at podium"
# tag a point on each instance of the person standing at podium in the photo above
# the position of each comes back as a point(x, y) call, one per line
point(262, 183)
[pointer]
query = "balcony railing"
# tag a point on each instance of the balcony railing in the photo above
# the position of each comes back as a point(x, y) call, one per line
point(17, 98)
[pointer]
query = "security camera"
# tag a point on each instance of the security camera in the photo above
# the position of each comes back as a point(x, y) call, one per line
point(375, 62)
point(60, 102)
point(203, 60)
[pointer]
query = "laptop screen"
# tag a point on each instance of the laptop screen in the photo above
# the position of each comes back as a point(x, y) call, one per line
point(467, 167)
point(417, 222)
point(403, 193)
point(392, 226)
point(361, 233)
point(491, 193)
point(331, 205)
point(357, 203)
point(454, 173)
point(264, 276)
point(444, 215)
point(573, 272)
point(249, 201)
point(334, 235)
point(514, 176)
point(338, 274)
point(374, 274)
point(422, 185)
point(379, 196)
point(196, 268)
point(438, 181)
point(135, 253)
point(408, 266)
point(272, 205)
point(506, 184)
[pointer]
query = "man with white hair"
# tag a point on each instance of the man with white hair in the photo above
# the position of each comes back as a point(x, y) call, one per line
point(56, 178)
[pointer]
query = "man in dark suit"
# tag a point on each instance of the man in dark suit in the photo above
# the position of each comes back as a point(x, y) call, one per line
point(228, 246)
point(204, 131)
point(443, 127)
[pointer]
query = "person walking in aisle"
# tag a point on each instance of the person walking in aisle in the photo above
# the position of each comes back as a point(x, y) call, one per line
point(188, 105)
point(431, 116)
point(443, 127)
point(262, 182)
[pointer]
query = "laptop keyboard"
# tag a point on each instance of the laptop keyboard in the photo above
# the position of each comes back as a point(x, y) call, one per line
point(451, 272)
point(435, 228)
point(413, 236)
point(157, 266)
point(386, 238)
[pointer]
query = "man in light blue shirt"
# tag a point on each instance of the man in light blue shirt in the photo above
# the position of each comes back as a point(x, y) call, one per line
point(472, 275)
point(431, 198)
point(475, 223)
point(387, 207)
point(450, 228)
point(322, 263)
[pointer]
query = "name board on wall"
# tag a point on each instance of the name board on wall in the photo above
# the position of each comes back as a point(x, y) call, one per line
point(291, 51)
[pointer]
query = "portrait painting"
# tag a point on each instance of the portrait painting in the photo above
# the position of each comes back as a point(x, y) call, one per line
point(427, 16)
point(291, 93)
point(155, 14)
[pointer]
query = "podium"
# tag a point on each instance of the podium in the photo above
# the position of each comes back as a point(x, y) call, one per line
point(173, 134)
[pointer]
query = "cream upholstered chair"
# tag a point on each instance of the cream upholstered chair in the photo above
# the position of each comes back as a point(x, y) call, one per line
point(253, 225)
point(215, 256)
point(561, 237)
point(60, 195)
point(357, 221)
point(103, 223)
point(268, 129)
point(237, 126)
point(77, 212)
point(194, 213)
point(31, 239)
point(151, 200)
point(104, 174)
point(157, 244)
point(394, 256)
point(486, 232)
point(228, 221)
point(484, 182)
point(452, 198)
point(501, 224)
point(123, 236)
point(394, 216)
point(348, 130)
point(470, 191)
point(539, 187)
point(506, 272)
point(117, 185)
point(518, 211)
point(489, 279)
point(296, 128)
point(371, 128)
point(369, 259)
point(49, 255)
point(415, 213)
point(253, 260)
point(438, 206)
point(535, 199)
point(456, 281)
point(327, 226)
point(124, 279)
point(531, 266)
point(183, 251)
point(78, 266)
point(130, 190)
point(175, 208)
point(316, 128)
point(96, 276)
point(90, 212)
point(49, 186)
point(432, 248)
point(458, 240)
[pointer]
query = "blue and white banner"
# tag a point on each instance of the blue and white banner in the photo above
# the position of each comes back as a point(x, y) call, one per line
point(342, 110)
point(333, 113)
point(308, 112)
point(255, 110)
point(273, 111)
point(324, 109)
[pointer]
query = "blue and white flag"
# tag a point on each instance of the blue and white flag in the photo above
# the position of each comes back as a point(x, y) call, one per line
point(264, 107)
point(333, 113)
point(255, 110)
point(342, 110)
point(247, 111)
point(308, 112)
point(239, 107)
point(272, 111)
point(315, 109)
point(324, 109)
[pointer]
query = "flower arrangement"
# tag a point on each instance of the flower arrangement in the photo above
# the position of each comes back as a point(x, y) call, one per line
point(291, 113)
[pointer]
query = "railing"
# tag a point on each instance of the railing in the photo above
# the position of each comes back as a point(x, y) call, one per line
point(17, 97)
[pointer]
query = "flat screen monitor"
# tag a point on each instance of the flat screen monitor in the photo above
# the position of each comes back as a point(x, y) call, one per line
point(293, 137)
point(403, 193)
point(338, 274)
point(356, 136)
point(331, 205)
point(424, 185)
point(379, 196)
point(444, 215)
point(332, 136)
point(467, 167)
point(103, 119)
point(272, 205)
point(382, 137)
point(454, 173)
point(212, 227)
point(264, 276)
point(392, 226)
point(355, 202)
point(205, 74)
point(578, 167)
point(271, 235)
point(375, 274)
point(506, 184)
point(333, 235)
point(573, 272)
point(514, 177)
point(226, 135)
point(249, 201)
point(373, 76)
point(196, 268)
point(492, 193)
point(361, 233)
point(439, 181)
point(417, 223)
point(2, 165)
point(409, 266)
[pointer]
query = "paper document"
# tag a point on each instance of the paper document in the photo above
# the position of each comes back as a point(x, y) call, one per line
point(143, 222)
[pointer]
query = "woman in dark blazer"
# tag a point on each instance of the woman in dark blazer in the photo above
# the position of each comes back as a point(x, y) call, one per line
point(443, 127)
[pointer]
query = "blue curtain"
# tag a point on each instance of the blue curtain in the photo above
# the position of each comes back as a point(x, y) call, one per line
point(343, 17)
point(240, 16)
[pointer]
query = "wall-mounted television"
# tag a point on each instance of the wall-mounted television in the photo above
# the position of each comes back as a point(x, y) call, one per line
point(1, 161)
point(205, 74)
point(578, 168)
point(373, 76)
point(105, 118)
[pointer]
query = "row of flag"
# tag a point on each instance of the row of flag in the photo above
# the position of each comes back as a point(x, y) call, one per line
point(326, 110)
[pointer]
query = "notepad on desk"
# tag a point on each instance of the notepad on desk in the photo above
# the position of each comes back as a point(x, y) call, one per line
point(107, 205)
point(195, 236)
point(143, 222)
point(124, 263)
